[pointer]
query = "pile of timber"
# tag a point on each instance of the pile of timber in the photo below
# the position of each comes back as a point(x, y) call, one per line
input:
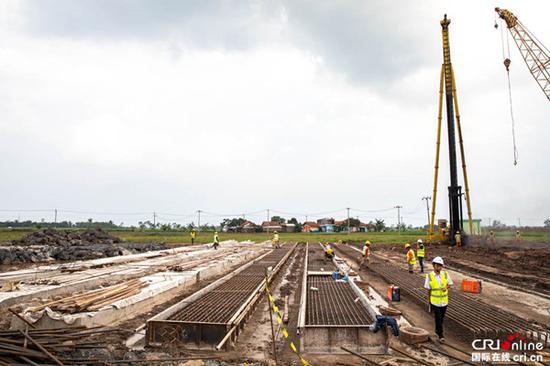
point(92, 300)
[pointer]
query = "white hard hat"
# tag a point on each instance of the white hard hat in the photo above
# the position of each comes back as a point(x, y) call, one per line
point(438, 260)
point(419, 241)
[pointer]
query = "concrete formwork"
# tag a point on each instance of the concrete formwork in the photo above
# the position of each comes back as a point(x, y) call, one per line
point(183, 327)
point(162, 286)
point(332, 329)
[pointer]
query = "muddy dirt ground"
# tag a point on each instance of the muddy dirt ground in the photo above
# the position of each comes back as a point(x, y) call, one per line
point(520, 267)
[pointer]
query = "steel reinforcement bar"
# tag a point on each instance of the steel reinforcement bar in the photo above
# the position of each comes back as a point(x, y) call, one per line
point(333, 313)
point(214, 316)
point(477, 319)
point(332, 303)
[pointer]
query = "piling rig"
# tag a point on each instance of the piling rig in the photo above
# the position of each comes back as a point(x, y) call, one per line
point(447, 83)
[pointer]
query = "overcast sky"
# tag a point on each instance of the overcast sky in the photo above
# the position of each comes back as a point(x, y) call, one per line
point(237, 106)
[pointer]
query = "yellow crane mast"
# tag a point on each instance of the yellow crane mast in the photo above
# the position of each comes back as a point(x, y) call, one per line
point(447, 83)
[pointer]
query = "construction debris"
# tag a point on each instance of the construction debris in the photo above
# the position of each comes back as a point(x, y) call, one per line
point(49, 346)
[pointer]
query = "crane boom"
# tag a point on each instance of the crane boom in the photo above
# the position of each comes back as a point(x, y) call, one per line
point(536, 56)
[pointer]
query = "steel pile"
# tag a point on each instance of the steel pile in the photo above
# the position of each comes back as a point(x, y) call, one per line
point(48, 346)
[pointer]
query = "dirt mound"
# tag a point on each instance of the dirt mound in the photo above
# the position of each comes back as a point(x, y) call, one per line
point(67, 238)
point(68, 245)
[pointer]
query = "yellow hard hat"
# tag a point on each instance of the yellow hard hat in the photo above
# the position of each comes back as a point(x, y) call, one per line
point(367, 242)
point(407, 245)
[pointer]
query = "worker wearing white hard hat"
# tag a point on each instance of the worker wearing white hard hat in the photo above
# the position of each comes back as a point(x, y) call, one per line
point(438, 283)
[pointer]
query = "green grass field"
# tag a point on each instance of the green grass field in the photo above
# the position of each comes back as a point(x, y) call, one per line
point(174, 237)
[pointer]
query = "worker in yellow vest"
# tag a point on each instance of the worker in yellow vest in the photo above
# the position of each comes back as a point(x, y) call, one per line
point(518, 236)
point(411, 260)
point(420, 254)
point(438, 283)
point(275, 240)
point(193, 236)
point(458, 239)
point(366, 252)
point(216, 240)
point(329, 252)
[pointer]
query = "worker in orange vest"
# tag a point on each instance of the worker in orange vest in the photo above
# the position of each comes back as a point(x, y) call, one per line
point(411, 259)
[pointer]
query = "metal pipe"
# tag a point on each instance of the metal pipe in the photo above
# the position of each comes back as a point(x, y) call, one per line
point(437, 148)
point(462, 156)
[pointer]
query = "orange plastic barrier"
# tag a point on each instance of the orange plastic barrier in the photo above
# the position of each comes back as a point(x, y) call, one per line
point(473, 286)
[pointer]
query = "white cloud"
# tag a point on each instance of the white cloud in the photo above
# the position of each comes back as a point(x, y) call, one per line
point(128, 124)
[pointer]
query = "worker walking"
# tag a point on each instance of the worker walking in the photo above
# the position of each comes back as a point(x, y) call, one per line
point(492, 238)
point(275, 240)
point(216, 240)
point(420, 254)
point(438, 283)
point(518, 236)
point(193, 235)
point(411, 260)
point(458, 239)
point(365, 252)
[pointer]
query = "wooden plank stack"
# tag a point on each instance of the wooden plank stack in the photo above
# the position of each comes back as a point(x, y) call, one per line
point(93, 300)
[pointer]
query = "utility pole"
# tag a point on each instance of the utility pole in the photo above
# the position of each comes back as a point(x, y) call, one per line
point(55, 217)
point(154, 219)
point(199, 220)
point(268, 220)
point(347, 208)
point(427, 199)
point(398, 207)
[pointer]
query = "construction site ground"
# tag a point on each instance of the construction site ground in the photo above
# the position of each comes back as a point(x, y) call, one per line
point(496, 290)
point(514, 280)
point(525, 266)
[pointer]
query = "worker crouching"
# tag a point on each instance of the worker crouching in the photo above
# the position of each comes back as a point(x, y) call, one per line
point(329, 252)
point(438, 283)
point(411, 259)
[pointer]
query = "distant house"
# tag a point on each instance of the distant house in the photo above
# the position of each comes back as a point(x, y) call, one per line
point(366, 227)
point(271, 226)
point(289, 228)
point(250, 227)
point(327, 228)
point(326, 221)
point(310, 227)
